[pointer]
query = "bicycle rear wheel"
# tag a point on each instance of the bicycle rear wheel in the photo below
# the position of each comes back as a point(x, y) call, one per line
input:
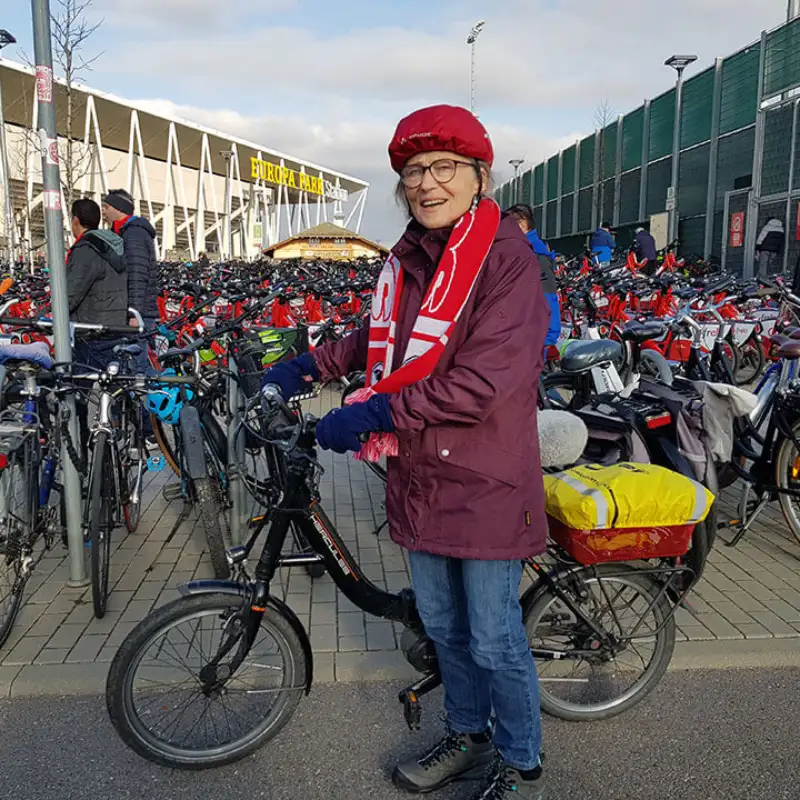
point(585, 677)
point(787, 476)
point(173, 706)
point(101, 521)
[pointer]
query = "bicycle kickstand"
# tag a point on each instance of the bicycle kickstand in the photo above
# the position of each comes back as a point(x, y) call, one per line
point(409, 698)
point(744, 524)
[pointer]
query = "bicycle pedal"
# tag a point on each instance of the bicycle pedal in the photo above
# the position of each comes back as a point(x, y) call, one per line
point(412, 709)
point(172, 492)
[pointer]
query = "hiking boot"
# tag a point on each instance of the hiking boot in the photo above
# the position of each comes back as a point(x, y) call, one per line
point(508, 783)
point(457, 757)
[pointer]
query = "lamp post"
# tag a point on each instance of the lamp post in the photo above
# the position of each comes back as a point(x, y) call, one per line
point(471, 39)
point(679, 64)
point(227, 155)
point(6, 39)
point(516, 163)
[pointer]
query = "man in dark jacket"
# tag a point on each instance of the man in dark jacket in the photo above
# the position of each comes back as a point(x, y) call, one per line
point(646, 245)
point(603, 243)
point(97, 287)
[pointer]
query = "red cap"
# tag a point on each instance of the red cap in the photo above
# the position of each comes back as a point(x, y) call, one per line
point(449, 128)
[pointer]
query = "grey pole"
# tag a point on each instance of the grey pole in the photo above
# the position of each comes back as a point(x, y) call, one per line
point(676, 158)
point(471, 40)
point(5, 39)
point(54, 227)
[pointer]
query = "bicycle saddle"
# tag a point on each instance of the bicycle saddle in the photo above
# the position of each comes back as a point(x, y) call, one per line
point(789, 349)
point(582, 355)
point(33, 353)
point(642, 331)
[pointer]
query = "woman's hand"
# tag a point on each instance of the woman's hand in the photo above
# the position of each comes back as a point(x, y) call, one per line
point(340, 430)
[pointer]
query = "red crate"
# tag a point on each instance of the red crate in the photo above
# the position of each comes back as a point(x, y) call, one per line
point(621, 544)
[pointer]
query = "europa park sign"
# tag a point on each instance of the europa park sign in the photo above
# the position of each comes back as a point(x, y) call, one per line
point(301, 181)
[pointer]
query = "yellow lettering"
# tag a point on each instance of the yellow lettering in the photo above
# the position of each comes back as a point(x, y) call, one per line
point(271, 172)
point(254, 167)
point(263, 171)
point(292, 183)
point(303, 182)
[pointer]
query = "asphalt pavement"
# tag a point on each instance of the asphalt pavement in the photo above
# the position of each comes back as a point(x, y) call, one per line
point(727, 734)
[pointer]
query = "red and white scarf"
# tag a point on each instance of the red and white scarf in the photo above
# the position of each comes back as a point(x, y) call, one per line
point(452, 284)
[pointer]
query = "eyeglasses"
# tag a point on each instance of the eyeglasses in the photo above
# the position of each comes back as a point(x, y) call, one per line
point(443, 171)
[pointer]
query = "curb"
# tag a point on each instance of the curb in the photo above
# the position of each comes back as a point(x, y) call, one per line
point(63, 680)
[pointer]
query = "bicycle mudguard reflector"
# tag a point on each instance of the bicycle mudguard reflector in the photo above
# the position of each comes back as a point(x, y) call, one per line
point(624, 512)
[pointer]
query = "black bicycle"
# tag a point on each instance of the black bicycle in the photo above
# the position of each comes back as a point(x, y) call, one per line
point(210, 677)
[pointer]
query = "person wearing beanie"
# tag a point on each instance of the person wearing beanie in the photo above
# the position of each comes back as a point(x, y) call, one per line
point(138, 237)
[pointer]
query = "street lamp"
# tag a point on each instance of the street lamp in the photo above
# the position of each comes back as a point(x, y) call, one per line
point(679, 64)
point(6, 39)
point(516, 163)
point(471, 39)
point(227, 155)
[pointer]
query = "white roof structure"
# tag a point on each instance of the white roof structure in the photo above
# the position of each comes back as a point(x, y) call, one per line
point(203, 189)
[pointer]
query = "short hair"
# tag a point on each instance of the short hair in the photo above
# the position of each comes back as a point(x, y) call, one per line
point(523, 211)
point(605, 225)
point(87, 212)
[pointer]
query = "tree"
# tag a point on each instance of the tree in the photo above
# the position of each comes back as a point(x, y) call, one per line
point(603, 116)
point(71, 30)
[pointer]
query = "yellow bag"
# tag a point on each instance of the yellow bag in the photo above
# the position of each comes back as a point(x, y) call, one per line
point(626, 495)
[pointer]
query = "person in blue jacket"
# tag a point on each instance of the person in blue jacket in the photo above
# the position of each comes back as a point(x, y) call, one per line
point(524, 216)
point(603, 243)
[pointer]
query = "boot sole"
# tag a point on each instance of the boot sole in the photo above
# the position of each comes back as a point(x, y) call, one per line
point(472, 774)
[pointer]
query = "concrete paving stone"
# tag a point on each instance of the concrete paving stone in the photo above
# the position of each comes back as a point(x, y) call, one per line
point(136, 610)
point(158, 573)
point(351, 624)
point(396, 581)
point(119, 599)
point(323, 638)
point(324, 668)
point(697, 633)
point(783, 610)
point(786, 574)
point(25, 651)
point(51, 655)
point(743, 600)
point(86, 649)
point(369, 555)
point(83, 613)
point(721, 582)
point(684, 617)
point(731, 612)
point(169, 556)
point(380, 636)
point(373, 571)
point(323, 613)
point(188, 562)
point(60, 679)
point(121, 630)
point(347, 643)
point(204, 571)
point(7, 677)
point(345, 605)
point(301, 603)
point(752, 630)
point(47, 593)
point(767, 579)
point(758, 590)
point(694, 603)
point(106, 654)
point(149, 590)
point(791, 596)
point(708, 592)
point(374, 665)
point(104, 626)
point(129, 582)
point(735, 573)
point(47, 624)
point(324, 591)
point(67, 635)
point(721, 628)
point(774, 624)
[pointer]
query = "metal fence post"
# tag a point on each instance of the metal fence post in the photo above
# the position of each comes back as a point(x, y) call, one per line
point(559, 191)
point(645, 162)
point(543, 231)
point(792, 168)
point(596, 212)
point(713, 153)
point(618, 174)
point(53, 218)
point(576, 189)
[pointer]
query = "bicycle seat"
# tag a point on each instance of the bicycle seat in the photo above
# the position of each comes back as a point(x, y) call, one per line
point(642, 331)
point(129, 350)
point(34, 353)
point(789, 349)
point(582, 355)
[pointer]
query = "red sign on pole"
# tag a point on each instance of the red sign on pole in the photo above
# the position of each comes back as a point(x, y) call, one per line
point(737, 229)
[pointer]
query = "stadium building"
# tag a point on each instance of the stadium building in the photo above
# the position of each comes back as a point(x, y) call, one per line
point(203, 190)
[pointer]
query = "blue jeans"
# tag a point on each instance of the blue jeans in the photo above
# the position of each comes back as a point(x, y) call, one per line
point(141, 366)
point(97, 354)
point(471, 612)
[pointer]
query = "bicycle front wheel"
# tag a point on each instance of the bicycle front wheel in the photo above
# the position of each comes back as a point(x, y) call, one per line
point(209, 504)
point(787, 476)
point(586, 677)
point(101, 521)
point(176, 702)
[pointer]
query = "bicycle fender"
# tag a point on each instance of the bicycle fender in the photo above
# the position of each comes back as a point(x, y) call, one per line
point(214, 586)
point(192, 438)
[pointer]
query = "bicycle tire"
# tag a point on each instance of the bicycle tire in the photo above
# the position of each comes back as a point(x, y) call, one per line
point(209, 508)
point(752, 354)
point(788, 458)
point(554, 381)
point(121, 675)
point(17, 590)
point(163, 440)
point(100, 514)
point(536, 603)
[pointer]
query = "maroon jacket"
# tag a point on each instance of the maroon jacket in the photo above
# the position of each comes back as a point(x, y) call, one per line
point(468, 481)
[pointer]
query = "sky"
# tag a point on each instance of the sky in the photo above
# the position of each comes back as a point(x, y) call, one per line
point(328, 81)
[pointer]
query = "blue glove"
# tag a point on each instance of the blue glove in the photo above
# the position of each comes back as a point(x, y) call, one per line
point(339, 429)
point(290, 375)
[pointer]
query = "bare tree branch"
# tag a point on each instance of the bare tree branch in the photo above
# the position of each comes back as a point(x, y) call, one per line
point(603, 116)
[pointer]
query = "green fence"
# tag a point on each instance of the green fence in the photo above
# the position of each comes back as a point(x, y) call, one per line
point(623, 172)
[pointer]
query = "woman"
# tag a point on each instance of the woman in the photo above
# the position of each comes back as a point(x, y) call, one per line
point(453, 354)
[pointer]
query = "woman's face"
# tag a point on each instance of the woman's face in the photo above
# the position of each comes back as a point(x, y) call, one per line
point(440, 205)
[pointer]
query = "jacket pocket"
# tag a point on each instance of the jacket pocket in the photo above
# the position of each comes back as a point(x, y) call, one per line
point(462, 448)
